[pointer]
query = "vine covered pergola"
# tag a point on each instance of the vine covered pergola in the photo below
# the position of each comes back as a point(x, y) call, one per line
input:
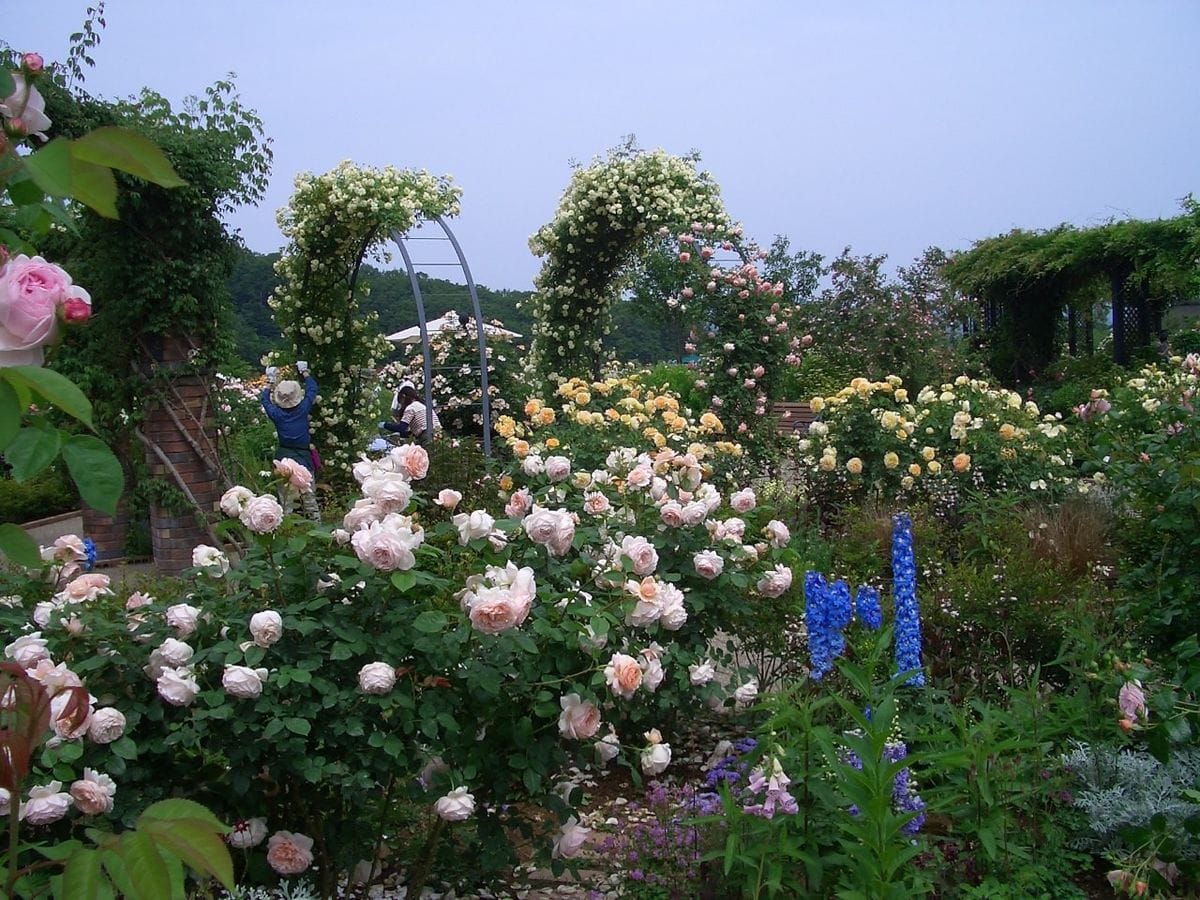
point(1026, 280)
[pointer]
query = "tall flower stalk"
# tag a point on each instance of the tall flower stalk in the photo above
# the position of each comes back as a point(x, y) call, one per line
point(904, 594)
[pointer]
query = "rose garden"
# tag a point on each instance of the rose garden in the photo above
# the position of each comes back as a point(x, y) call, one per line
point(887, 588)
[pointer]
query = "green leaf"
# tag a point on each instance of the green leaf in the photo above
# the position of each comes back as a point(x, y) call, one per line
point(83, 878)
point(197, 844)
point(403, 581)
point(298, 726)
point(124, 748)
point(179, 808)
point(430, 622)
point(18, 546)
point(50, 167)
point(61, 391)
point(8, 87)
point(24, 190)
point(32, 450)
point(128, 151)
point(94, 186)
point(96, 472)
point(147, 872)
point(10, 414)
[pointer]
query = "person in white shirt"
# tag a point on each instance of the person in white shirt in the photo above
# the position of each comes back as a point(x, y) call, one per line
point(409, 414)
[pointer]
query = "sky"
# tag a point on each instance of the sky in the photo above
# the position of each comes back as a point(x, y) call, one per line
point(884, 126)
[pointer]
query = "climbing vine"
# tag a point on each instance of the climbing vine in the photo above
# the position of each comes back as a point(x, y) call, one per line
point(332, 223)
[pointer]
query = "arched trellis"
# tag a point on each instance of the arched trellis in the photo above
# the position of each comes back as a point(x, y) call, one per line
point(401, 240)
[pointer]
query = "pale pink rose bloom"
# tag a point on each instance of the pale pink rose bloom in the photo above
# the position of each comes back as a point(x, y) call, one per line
point(743, 501)
point(695, 512)
point(732, 529)
point(178, 686)
point(47, 803)
point(93, 793)
point(182, 617)
point(472, 526)
point(411, 459)
point(243, 682)
point(580, 719)
point(5, 802)
point(137, 600)
point(558, 468)
point(247, 833)
point(26, 103)
point(298, 475)
point(377, 678)
point(31, 292)
point(778, 534)
point(641, 552)
point(1132, 701)
point(266, 627)
point(234, 500)
point(174, 652)
point(709, 564)
point(702, 673)
point(671, 514)
point(28, 650)
point(289, 853)
point(495, 610)
point(571, 838)
point(640, 476)
point(448, 499)
point(85, 588)
point(54, 677)
point(362, 514)
point(107, 725)
point(42, 611)
point(596, 503)
point(608, 747)
point(263, 514)
point(456, 806)
point(553, 528)
point(391, 491)
point(68, 548)
point(656, 758)
point(518, 504)
point(384, 549)
point(623, 674)
point(775, 582)
point(652, 671)
point(674, 613)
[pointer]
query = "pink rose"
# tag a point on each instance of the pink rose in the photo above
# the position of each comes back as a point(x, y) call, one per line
point(596, 503)
point(47, 803)
point(93, 793)
point(178, 686)
point(85, 588)
point(778, 534)
point(377, 678)
point(456, 806)
point(558, 468)
point(247, 833)
point(243, 682)
point(448, 499)
point(31, 291)
point(571, 839)
point(743, 501)
point(580, 719)
point(107, 725)
point(642, 553)
point(266, 627)
point(412, 460)
point(297, 475)
point(262, 514)
point(76, 311)
point(288, 853)
point(32, 63)
point(386, 548)
point(27, 651)
point(776, 582)
point(519, 504)
point(623, 674)
point(709, 564)
point(554, 528)
point(234, 500)
point(25, 107)
point(671, 514)
point(495, 610)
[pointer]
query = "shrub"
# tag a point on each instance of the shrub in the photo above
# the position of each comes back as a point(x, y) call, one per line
point(48, 493)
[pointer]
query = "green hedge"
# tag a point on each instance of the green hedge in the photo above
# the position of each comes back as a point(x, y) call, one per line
point(46, 494)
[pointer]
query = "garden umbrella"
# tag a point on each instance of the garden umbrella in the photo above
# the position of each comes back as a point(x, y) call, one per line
point(448, 322)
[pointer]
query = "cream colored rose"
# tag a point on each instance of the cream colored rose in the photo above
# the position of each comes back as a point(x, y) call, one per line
point(377, 678)
point(580, 719)
point(266, 627)
point(234, 500)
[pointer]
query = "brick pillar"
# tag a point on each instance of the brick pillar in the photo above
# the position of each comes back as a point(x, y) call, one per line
point(108, 532)
point(175, 532)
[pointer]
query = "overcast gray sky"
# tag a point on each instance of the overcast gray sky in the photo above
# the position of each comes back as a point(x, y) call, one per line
point(885, 126)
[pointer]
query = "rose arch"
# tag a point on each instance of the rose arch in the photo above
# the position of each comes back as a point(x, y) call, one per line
point(611, 213)
point(332, 223)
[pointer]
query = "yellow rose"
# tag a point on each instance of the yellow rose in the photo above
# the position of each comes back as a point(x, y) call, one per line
point(546, 416)
point(934, 467)
point(533, 407)
point(583, 398)
point(889, 420)
point(962, 462)
point(828, 463)
point(928, 453)
point(612, 415)
point(906, 482)
point(506, 427)
point(914, 470)
point(521, 449)
point(891, 460)
point(551, 443)
point(1008, 431)
point(506, 482)
point(901, 395)
point(816, 404)
point(1008, 453)
point(580, 479)
point(854, 465)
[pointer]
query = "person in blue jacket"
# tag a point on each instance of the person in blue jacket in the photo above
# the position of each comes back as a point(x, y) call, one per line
point(288, 405)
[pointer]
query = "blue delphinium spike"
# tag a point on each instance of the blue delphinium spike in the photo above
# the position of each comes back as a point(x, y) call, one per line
point(866, 606)
point(816, 623)
point(89, 548)
point(904, 593)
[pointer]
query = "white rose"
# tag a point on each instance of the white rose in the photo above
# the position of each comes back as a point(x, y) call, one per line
point(234, 500)
point(182, 617)
point(266, 627)
point(262, 514)
point(28, 650)
point(456, 806)
point(652, 672)
point(571, 839)
point(533, 465)
point(174, 652)
point(178, 686)
point(702, 673)
point(778, 534)
point(558, 468)
point(448, 499)
point(376, 678)
point(247, 833)
point(243, 682)
point(107, 725)
point(746, 692)
point(472, 526)
point(47, 803)
point(389, 490)
point(709, 564)
point(608, 747)
point(656, 758)
point(5, 802)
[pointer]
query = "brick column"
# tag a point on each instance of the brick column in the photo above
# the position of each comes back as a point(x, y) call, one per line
point(108, 532)
point(175, 532)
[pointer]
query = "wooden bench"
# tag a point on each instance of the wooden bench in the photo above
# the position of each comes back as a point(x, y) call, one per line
point(792, 419)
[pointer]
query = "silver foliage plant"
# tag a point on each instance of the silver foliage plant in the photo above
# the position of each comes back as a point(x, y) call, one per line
point(1123, 788)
